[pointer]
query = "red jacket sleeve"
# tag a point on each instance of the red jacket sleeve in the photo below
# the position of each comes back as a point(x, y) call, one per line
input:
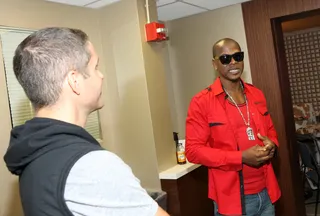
point(271, 133)
point(197, 137)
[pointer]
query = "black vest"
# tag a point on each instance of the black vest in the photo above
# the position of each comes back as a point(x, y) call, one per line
point(42, 182)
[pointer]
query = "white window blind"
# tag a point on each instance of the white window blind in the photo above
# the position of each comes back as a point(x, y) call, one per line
point(20, 106)
point(93, 125)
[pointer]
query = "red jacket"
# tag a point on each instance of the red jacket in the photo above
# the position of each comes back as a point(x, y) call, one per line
point(210, 141)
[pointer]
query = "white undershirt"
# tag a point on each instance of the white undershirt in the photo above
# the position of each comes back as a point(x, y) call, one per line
point(101, 184)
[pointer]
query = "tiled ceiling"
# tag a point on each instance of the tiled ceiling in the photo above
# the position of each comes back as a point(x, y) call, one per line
point(167, 9)
point(86, 3)
point(175, 9)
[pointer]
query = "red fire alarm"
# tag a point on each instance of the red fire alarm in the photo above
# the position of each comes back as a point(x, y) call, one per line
point(156, 32)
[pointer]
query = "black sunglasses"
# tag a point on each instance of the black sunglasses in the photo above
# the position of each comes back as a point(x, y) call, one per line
point(226, 59)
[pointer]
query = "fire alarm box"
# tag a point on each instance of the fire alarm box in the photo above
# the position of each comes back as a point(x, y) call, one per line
point(156, 32)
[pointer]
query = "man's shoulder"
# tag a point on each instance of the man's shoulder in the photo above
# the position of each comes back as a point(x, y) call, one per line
point(253, 88)
point(203, 93)
point(100, 165)
point(98, 157)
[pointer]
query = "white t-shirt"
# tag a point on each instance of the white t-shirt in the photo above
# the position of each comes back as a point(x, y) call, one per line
point(101, 184)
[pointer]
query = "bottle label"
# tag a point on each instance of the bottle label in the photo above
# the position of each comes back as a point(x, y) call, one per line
point(181, 157)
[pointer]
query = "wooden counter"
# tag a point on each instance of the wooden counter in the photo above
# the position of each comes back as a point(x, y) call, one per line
point(187, 190)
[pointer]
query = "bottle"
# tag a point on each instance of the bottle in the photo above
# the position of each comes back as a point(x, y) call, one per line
point(181, 155)
point(180, 151)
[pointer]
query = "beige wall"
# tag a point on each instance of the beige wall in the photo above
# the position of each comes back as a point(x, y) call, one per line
point(137, 97)
point(154, 55)
point(190, 44)
point(135, 121)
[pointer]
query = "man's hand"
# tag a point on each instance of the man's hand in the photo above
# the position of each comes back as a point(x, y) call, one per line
point(268, 144)
point(255, 156)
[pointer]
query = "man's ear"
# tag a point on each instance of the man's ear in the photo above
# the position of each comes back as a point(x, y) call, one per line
point(73, 81)
point(214, 64)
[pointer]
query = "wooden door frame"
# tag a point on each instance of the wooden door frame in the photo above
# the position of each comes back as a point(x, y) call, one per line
point(282, 67)
point(283, 78)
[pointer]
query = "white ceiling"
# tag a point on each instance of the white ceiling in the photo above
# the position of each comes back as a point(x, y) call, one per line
point(174, 9)
point(167, 9)
point(86, 3)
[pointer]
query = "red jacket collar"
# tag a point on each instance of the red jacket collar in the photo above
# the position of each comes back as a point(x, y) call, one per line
point(217, 87)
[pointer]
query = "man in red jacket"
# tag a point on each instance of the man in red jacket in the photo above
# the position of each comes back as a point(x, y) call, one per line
point(229, 130)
